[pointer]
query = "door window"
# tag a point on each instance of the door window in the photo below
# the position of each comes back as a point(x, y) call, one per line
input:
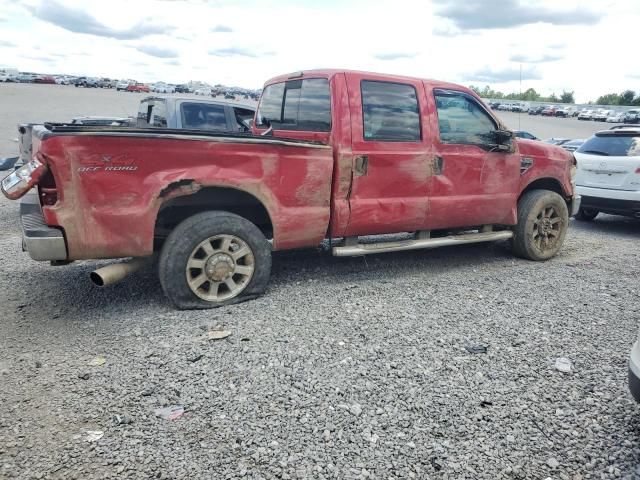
point(462, 120)
point(303, 105)
point(202, 116)
point(390, 112)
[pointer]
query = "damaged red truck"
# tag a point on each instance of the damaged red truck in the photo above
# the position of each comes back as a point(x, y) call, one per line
point(334, 154)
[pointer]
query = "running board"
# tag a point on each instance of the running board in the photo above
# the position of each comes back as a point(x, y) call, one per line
point(383, 247)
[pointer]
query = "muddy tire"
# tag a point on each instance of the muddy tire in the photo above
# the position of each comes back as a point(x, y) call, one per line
point(586, 214)
point(214, 259)
point(543, 218)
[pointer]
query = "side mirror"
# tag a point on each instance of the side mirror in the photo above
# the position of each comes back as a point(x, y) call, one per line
point(8, 163)
point(503, 137)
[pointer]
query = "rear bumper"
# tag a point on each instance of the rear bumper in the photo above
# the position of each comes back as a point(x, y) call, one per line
point(39, 240)
point(615, 202)
point(634, 371)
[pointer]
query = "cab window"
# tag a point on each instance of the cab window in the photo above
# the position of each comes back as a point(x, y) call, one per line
point(303, 105)
point(202, 116)
point(462, 120)
point(390, 112)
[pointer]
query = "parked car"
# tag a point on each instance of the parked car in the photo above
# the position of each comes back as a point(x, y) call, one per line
point(86, 82)
point(205, 91)
point(123, 84)
point(137, 87)
point(215, 205)
point(9, 75)
point(194, 114)
point(182, 89)
point(572, 145)
point(632, 116)
point(565, 112)
point(26, 77)
point(526, 135)
point(229, 96)
point(550, 111)
point(616, 117)
point(607, 178)
point(537, 110)
point(162, 87)
point(601, 115)
point(46, 79)
point(586, 115)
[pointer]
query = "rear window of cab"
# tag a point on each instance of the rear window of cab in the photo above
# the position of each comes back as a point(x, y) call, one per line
point(303, 105)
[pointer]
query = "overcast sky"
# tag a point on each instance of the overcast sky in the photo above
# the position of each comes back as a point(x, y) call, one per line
point(582, 45)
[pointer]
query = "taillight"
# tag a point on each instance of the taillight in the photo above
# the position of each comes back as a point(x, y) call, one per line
point(638, 170)
point(16, 184)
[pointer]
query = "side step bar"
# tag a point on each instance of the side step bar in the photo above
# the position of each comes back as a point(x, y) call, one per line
point(382, 247)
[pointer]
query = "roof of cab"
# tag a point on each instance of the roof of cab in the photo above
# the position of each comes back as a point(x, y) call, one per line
point(330, 72)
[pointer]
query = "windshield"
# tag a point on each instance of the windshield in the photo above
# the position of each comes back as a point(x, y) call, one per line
point(612, 145)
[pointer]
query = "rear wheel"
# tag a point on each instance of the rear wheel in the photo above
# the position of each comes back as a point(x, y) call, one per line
point(586, 214)
point(213, 259)
point(543, 218)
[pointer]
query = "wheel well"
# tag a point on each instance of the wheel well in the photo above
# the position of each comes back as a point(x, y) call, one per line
point(545, 184)
point(177, 209)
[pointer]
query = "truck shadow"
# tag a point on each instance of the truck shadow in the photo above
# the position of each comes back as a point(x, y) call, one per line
point(609, 224)
point(142, 290)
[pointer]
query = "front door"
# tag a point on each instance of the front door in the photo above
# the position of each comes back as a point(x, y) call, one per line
point(391, 163)
point(474, 184)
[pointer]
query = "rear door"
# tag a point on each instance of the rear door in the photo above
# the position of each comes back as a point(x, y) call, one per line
point(391, 160)
point(610, 161)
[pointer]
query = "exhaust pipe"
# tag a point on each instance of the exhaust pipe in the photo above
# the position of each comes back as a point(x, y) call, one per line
point(114, 273)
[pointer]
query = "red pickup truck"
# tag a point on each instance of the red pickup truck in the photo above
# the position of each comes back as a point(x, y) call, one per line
point(334, 155)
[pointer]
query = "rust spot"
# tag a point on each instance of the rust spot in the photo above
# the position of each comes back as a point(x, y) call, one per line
point(180, 188)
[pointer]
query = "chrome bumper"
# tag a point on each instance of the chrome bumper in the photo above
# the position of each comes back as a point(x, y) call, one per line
point(575, 204)
point(38, 239)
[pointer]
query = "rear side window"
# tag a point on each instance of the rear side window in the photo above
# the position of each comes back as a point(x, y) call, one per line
point(202, 116)
point(612, 146)
point(462, 120)
point(303, 105)
point(390, 112)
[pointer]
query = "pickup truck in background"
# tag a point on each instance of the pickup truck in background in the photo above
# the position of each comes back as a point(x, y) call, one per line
point(333, 154)
point(157, 112)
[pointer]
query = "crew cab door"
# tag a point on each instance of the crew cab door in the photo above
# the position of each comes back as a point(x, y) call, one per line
point(390, 158)
point(473, 184)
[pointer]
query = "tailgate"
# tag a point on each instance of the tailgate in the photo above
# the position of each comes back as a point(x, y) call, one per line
point(617, 173)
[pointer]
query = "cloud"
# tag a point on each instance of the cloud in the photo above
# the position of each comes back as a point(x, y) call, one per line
point(221, 29)
point(159, 52)
point(548, 57)
point(172, 62)
point(78, 21)
point(487, 14)
point(236, 52)
point(489, 75)
point(6, 43)
point(394, 55)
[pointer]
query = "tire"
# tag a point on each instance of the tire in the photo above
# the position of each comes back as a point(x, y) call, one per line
point(187, 243)
point(540, 212)
point(586, 214)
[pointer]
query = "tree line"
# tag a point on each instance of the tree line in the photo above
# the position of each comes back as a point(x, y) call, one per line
point(626, 98)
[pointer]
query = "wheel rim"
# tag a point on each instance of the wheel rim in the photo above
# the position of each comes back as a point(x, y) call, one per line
point(546, 228)
point(220, 268)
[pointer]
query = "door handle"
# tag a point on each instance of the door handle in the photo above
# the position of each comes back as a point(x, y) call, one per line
point(361, 165)
point(438, 165)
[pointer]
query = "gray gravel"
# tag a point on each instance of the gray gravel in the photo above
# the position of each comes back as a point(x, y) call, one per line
point(346, 368)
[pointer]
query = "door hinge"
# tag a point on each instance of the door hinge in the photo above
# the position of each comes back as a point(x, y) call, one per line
point(362, 165)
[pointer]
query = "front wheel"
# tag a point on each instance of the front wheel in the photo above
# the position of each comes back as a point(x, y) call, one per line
point(543, 218)
point(213, 259)
point(586, 214)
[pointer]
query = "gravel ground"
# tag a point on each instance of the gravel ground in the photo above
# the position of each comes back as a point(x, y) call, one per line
point(346, 368)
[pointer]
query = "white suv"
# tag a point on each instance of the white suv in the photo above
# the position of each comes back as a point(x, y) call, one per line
point(608, 176)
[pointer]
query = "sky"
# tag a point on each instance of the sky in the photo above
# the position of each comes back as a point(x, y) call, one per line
point(585, 46)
